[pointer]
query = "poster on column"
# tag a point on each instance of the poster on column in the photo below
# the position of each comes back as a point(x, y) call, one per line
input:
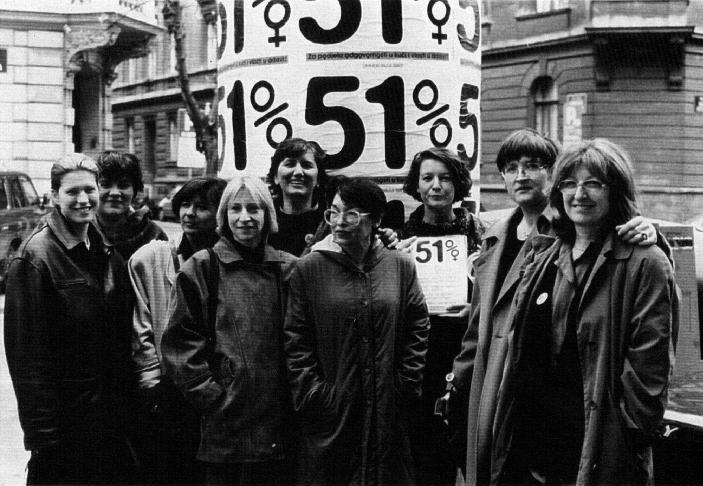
point(372, 81)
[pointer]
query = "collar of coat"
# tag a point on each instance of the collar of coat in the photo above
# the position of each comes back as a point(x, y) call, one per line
point(613, 247)
point(227, 253)
point(328, 246)
point(501, 228)
point(59, 226)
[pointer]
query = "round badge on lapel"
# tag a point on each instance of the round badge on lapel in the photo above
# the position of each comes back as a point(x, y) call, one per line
point(542, 298)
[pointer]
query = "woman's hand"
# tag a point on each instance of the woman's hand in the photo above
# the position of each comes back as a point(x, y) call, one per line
point(388, 237)
point(405, 245)
point(459, 310)
point(638, 231)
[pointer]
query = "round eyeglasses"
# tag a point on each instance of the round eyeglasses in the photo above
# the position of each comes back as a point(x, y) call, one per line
point(529, 168)
point(352, 216)
point(591, 186)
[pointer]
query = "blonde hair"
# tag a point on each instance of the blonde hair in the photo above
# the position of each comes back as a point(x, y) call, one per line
point(70, 163)
point(260, 192)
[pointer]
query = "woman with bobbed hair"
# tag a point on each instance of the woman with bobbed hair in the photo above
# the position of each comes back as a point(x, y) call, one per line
point(222, 346)
point(67, 338)
point(355, 342)
point(438, 179)
point(594, 331)
point(297, 180)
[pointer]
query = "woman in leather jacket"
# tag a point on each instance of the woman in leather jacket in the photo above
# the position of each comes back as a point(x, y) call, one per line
point(67, 338)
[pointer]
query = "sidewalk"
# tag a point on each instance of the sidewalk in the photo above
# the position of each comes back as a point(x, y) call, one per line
point(13, 457)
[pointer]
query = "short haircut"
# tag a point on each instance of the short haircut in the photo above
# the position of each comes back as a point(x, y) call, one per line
point(363, 193)
point(609, 163)
point(461, 178)
point(70, 163)
point(115, 165)
point(527, 143)
point(206, 189)
point(294, 148)
point(259, 191)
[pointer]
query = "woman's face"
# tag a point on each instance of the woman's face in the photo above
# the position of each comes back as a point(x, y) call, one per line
point(246, 219)
point(587, 207)
point(115, 197)
point(297, 176)
point(77, 197)
point(346, 234)
point(435, 186)
point(197, 217)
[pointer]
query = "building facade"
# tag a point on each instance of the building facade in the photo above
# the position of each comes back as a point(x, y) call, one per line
point(631, 71)
point(149, 117)
point(57, 65)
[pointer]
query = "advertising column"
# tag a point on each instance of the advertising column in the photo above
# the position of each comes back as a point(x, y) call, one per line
point(373, 82)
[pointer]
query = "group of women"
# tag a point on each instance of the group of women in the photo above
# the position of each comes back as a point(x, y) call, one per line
point(325, 369)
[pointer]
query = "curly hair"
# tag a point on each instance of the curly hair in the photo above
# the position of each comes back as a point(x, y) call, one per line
point(294, 148)
point(457, 170)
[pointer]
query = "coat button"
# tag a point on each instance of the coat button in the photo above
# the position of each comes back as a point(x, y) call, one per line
point(274, 445)
point(364, 302)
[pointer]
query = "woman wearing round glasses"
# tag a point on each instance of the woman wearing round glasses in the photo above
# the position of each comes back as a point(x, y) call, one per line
point(438, 179)
point(593, 347)
point(355, 340)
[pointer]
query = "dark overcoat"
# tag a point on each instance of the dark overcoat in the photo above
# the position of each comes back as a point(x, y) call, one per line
point(356, 340)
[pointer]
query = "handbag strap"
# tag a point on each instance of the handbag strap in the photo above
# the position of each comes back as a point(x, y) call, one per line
point(212, 289)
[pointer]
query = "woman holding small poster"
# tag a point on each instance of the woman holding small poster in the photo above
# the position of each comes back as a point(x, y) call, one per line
point(438, 179)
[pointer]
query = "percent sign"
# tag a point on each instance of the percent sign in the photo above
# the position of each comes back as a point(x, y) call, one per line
point(430, 105)
point(453, 249)
point(235, 101)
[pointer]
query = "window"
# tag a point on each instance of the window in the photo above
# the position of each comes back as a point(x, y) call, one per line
point(546, 107)
point(3, 195)
point(131, 70)
point(547, 5)
point(129, 122)
point(173, 136)
point(151, 63)
point(29, 192)
point(211, 46)
point(172, 56)
point(19, 198)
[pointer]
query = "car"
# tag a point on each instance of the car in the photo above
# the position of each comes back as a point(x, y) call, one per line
point(20, 211)
point(164, 211)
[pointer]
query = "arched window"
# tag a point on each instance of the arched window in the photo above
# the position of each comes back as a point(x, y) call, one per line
point(546, 107)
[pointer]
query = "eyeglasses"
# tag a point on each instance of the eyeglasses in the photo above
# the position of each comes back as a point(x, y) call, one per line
point(591, 186)
point(529, 168)
point(352, 217)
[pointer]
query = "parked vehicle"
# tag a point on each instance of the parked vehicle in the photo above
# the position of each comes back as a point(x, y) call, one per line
point(164, 210)
point(20, 211)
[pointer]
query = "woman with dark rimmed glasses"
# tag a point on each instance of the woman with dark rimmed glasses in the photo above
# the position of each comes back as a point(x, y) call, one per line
point(355, 341)
point(594, 328)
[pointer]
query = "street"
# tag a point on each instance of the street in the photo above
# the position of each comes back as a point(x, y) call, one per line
point(13, 457)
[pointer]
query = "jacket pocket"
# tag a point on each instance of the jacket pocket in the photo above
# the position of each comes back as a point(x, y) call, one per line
point(71, 284)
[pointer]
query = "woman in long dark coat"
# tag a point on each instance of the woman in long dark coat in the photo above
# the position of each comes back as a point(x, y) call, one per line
point(356, 336)
point(594, 327)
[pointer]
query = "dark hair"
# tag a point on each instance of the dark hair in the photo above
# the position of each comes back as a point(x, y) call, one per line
point(609, 163)
point(527, 143)
point(69, 163)
point(293, 148)
point(207, 189)
point(114, 165)
point(457, 169)
point(364, 194)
